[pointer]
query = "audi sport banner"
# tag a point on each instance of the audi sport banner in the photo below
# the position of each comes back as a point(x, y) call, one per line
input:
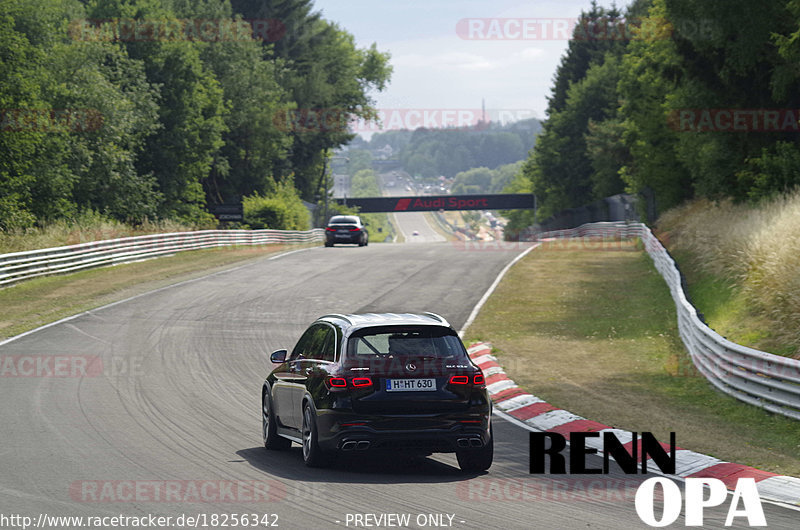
point(504, 201)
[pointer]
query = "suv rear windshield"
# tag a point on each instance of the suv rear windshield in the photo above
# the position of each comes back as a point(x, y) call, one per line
point(420, 341)
point(343, 220)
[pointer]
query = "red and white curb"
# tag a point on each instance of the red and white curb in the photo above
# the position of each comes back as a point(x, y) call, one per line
point(538, 415)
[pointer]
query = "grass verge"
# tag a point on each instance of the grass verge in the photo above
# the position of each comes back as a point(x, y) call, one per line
point(438, 227)
point(594, 331)
point(396, 229)
point(43, 300)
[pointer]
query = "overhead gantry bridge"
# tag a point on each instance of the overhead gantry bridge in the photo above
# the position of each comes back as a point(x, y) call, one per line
point(428, 203)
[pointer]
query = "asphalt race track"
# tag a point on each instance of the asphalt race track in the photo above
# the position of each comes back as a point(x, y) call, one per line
point(172, 418)
point(410, 222)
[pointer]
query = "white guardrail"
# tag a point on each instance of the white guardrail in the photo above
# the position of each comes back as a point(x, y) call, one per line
point(20, 266)
point(756, 377)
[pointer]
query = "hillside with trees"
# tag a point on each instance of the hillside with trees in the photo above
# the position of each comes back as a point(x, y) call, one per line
point(485, 180)
point(436, 152)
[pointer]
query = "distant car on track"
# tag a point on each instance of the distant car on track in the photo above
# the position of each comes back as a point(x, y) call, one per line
point(378, 382)
point(346, 229)
point(415, 233)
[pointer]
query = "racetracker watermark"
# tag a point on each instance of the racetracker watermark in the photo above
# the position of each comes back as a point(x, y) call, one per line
point(177, 491)
point(574, 243)
point(581, 29)
point(109, 366)
point(51, 366)
point(548, 490)
point(735, 120)
point(50, 120)
point(478, 245)
point(343, 120)
point(176, 29)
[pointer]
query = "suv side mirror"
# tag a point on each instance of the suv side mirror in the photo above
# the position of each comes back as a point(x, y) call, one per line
point(278, 356)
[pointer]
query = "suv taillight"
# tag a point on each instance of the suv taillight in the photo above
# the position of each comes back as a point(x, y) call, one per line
point(477, 380)
point(356, 382)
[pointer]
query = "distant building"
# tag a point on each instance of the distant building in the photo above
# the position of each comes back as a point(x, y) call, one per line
point(384, 153)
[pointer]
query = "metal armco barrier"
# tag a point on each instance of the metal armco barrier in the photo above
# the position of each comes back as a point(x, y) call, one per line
point(762, 379)
point(20, 266)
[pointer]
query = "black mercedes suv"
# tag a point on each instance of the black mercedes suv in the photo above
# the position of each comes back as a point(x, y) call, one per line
point(346, 229)
point(378, 382)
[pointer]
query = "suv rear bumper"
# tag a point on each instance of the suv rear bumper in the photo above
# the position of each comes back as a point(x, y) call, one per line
point(429, 433)
point(352, 239)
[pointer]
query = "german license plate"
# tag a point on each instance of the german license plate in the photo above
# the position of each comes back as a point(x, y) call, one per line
point(410, 385)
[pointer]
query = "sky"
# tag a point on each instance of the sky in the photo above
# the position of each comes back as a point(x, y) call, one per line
point(442, 61)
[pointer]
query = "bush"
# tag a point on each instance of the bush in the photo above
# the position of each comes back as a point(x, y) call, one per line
point(772, 173)
point(280, 210)
point(13, 216)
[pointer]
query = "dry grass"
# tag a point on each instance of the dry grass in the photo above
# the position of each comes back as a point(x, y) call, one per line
point(85, 227)
point(594, 331)
point(756, 249)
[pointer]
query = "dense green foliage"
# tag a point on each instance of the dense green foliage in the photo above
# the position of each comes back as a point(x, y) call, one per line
point(626, 114)
point(146, 109)
point(282, 209)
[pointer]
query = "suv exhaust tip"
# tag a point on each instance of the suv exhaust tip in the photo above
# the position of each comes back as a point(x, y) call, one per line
point(352, 445)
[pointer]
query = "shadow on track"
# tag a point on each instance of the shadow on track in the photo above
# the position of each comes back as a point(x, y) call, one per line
point(367, 468)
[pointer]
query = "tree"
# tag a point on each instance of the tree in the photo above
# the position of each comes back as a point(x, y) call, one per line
point(326, 75)
point(254, 146)
point(607, 154)
point(649, 76)
point(731, 64)
point(23, 74)
point(560, 167)
point(476, 180)
point(589, 45)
